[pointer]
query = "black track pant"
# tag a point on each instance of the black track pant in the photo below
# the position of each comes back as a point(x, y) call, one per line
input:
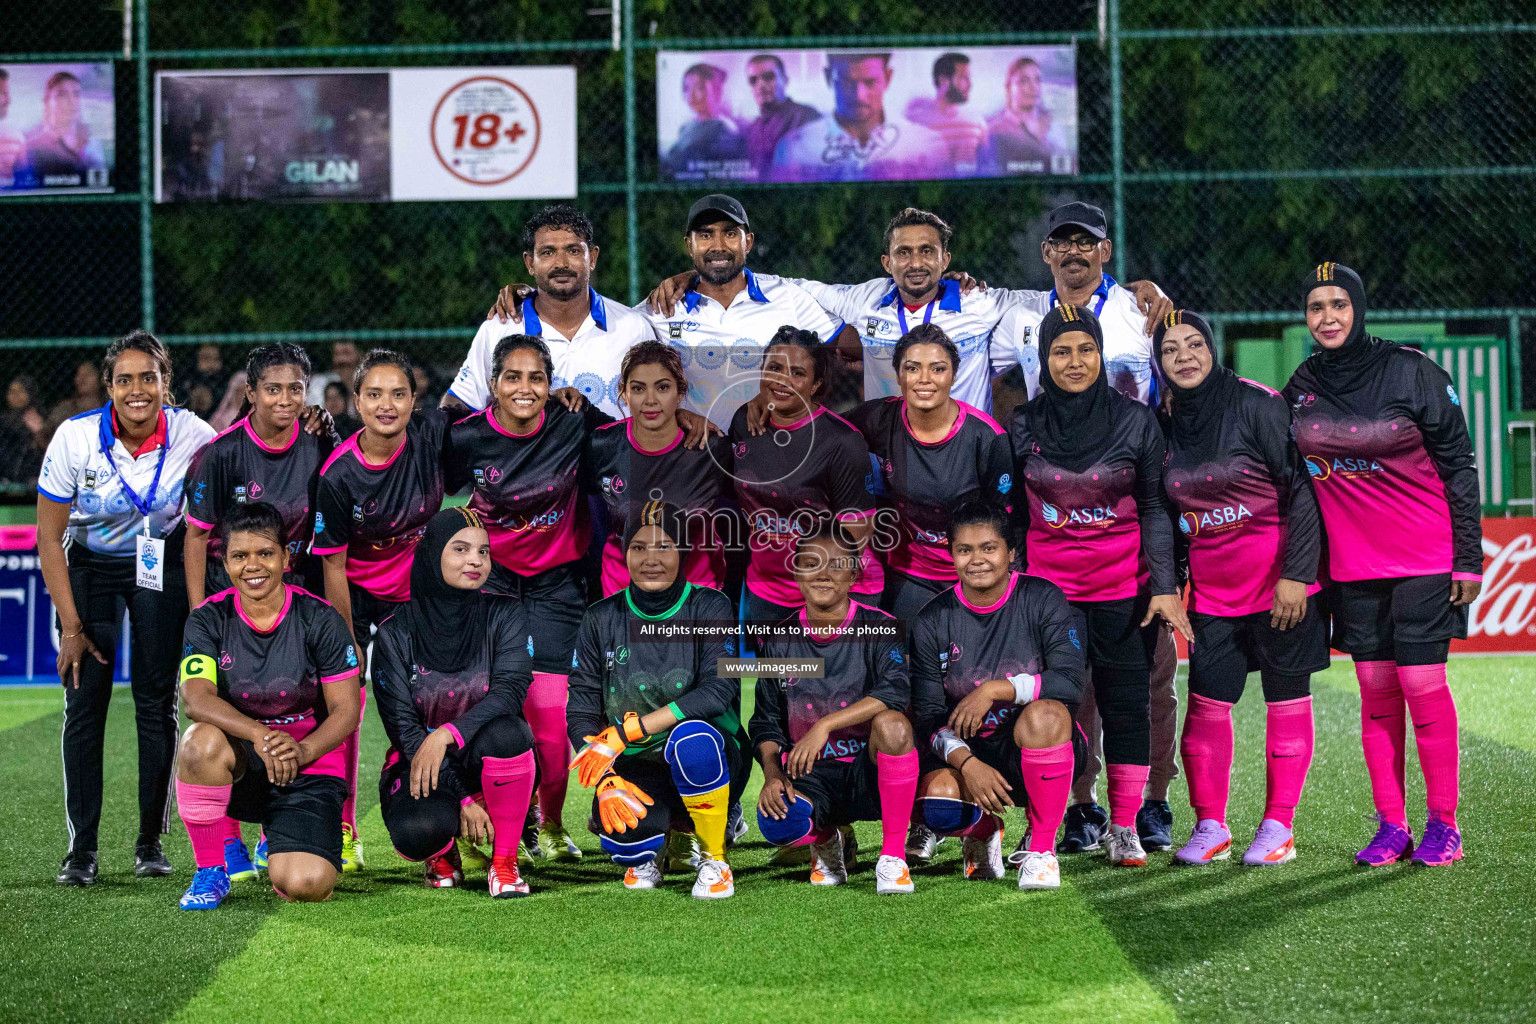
point(426, 827)
point(103, 588)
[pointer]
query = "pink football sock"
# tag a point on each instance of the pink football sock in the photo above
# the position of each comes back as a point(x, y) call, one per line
point(351, 751)
point(508, 783)
point(1434, 728)
point(1126, 783)
point(202, 811)
point(898, 790)
point(1381, 737)
point(1047, 775)
point(1287, 756)
point(544, 708)
point(1206, 749)
point(233, 825)
point(814, 837)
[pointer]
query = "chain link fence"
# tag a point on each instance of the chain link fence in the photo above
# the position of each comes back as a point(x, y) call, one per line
point(1234, 145)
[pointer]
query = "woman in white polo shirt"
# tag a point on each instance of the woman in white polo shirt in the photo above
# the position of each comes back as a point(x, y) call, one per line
point(109, 537)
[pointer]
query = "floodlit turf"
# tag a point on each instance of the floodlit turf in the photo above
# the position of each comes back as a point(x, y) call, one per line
point(1314, 940)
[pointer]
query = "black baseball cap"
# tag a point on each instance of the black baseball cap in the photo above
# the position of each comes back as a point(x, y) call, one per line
point(727, 207)
point(1080, 215)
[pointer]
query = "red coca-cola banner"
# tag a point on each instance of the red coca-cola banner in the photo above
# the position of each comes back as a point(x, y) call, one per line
point(1503, 618)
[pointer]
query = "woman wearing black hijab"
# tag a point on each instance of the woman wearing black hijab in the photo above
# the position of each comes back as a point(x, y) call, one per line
point(1248, 523)
point(655, 724)
point(450, 671)
point(1091, 462)
point(1386, 444)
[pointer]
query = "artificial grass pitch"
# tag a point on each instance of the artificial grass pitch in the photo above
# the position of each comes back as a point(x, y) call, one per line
point(1314, 940)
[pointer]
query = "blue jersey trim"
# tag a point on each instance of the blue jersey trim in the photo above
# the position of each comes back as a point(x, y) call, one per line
point(53, 497)
point(948, 297)
point(754, 292)
point(467, 403)
point(91, 412)
point(534, 326)
point(599, 314)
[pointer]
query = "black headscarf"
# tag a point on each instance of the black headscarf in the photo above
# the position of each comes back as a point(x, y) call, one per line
point(673, 523)
point(1072, 430)
point(447, 625)
point(1346, 368)
point(1197, 412)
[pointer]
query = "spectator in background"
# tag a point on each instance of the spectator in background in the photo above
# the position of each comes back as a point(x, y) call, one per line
point(426, 388)
point(206, 382)
point(1018, 135)
point(343, 366)
point(963, 132)
point(87, 396)
point(231, 407)
point(61, 145)
point(22, 432)
point(709, 138)
point(778, 115)
point(338, 399)
point(13, 145)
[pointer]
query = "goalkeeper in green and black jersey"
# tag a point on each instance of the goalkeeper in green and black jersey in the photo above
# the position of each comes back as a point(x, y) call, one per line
point(655, 725)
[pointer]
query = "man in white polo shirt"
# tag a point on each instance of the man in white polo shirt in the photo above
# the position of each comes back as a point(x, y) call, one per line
point(725, 319)
point(1076, 248)
point(587, 334)
point(916, 256)
point(719, 316)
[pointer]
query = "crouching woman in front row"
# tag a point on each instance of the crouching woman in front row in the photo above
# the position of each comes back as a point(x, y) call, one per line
point(269, 679)
point(451, 670)
point(655, 723)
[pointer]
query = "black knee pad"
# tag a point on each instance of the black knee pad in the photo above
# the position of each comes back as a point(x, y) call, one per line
point(1435, 652)
point(1278, 688)
point(1125, 713)
point(422, 828)
point(1384, 654)
point(502, 736)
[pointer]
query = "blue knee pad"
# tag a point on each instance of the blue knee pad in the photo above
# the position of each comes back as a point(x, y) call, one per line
point(792, 828)
point(636, 851)
point(945, 816)
point(696, 754)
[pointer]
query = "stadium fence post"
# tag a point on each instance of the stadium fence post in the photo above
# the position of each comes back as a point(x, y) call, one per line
point(146, 193)
point(631, 195)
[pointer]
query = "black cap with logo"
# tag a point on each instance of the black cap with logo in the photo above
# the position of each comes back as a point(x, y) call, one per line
point(723, 206)
point(1080, 215)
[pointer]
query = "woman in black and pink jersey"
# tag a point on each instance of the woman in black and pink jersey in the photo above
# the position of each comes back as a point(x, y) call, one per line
point(273, 453)
point(377, 493)
point(1091, 462)
point(522, 458)
point(450, 673)
point(646, 457)
point(934, 452)
point(1386, 444)
point(804, 466)
point(1248, 521)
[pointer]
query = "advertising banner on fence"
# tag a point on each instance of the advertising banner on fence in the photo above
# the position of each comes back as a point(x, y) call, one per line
point(29, 636)
point(1503, 618)
point(369, 136)
point(886, 115)
point(58, 129)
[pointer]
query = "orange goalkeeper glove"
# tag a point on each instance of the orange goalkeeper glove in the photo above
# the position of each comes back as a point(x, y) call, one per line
point(620, 804)
point(597, 755)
